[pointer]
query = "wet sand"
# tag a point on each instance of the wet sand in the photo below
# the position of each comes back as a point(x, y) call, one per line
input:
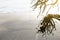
point(12, 28)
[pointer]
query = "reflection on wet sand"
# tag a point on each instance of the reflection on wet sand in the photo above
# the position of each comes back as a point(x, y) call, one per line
point(12, 28)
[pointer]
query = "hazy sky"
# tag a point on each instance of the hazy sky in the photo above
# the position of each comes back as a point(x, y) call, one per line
point(15, 5)
point(22, 7)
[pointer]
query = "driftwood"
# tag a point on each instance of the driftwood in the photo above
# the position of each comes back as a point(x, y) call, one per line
point(43, 4)
point(48, 24)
